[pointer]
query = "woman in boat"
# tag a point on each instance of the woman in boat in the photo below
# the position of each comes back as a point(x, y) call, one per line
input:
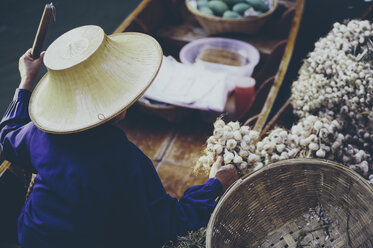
point(94, 188)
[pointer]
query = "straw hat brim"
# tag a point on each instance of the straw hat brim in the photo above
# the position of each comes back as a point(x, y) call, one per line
point(78, 98)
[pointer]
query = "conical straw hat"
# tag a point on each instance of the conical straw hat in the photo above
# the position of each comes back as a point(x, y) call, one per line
point(92, 78)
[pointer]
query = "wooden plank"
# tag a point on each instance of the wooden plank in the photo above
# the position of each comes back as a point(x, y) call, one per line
point(283, 68)
point(188, 143)
point(147, 18)
point(176, 179)
point(132, 16)
point(151, 135)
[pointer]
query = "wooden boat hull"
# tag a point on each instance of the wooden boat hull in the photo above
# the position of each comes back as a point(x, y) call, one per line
point(175, 147)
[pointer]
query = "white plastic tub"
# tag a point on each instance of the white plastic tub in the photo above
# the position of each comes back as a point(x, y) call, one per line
point(191, 53)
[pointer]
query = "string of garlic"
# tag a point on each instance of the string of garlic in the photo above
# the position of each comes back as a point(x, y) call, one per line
point(311, 137)
point(232, 141)
point(333, 96)
point(336, 81)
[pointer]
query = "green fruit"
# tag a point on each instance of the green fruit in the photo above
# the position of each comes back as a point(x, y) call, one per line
point(202, 3)
point(259, 13)
point(206, 10)
point(240, 8)
point(231, 15)
point(258, 5)
point(233, 2)
point(218, 7)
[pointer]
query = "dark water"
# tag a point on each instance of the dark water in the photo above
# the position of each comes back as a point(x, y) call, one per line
point(19, 20)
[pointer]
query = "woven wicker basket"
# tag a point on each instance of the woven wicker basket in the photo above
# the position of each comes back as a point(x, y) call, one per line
point(270, 208)
point(216, 25)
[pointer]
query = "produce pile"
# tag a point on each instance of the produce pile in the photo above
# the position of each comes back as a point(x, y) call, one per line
point(336, 82)
point(233, 9)
point(333, 96)
point(240, 146)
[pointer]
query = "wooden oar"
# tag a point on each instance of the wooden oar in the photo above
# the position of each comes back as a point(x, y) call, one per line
point(4, 166)
point(48, 13)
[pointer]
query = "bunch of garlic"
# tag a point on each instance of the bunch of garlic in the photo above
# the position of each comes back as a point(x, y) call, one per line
point(356, 148)
point(333, 96)
point(336, 82)
point(332, 78)
point(311, 137)
point(232, 141)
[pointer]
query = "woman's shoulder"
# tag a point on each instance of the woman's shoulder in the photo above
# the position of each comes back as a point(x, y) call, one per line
point(106, 138)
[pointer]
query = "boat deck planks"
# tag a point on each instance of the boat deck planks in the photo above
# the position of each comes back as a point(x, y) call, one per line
point(151, 135)
point(175, 147)
point(176, 179)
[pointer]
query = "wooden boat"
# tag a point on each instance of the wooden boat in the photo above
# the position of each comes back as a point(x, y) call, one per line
point(283, 43)
point(175, 146)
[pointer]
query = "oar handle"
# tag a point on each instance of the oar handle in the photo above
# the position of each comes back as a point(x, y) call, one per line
point(49, 11)
point(4, 166)
point(42, 30)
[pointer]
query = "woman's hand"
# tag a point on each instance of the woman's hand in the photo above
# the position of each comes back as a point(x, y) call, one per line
point(225, 174)
point(29, 69)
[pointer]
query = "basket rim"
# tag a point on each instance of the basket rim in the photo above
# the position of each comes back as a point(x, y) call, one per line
point(284, 163)
point(239, 20)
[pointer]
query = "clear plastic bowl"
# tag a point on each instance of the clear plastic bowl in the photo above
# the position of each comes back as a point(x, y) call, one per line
point(192, 52)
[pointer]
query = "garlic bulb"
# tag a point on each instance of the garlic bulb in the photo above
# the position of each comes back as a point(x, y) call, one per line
point(228, 157)
point(237, 135)
point(336, 82)
point(219, 123)
point(234, 125)
point(231, 144)
point(218, 148)
point(237, 159)
point(243, 153)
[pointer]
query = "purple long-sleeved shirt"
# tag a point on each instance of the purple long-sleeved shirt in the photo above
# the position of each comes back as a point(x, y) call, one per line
point(95, 188)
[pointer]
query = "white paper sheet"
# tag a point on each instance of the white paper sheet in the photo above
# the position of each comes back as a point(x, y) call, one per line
point(189, 86)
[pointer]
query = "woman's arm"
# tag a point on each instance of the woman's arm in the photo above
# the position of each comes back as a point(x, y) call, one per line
point(162, 217)
point(29, 69)
point(15, 134)
point(194, 209)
